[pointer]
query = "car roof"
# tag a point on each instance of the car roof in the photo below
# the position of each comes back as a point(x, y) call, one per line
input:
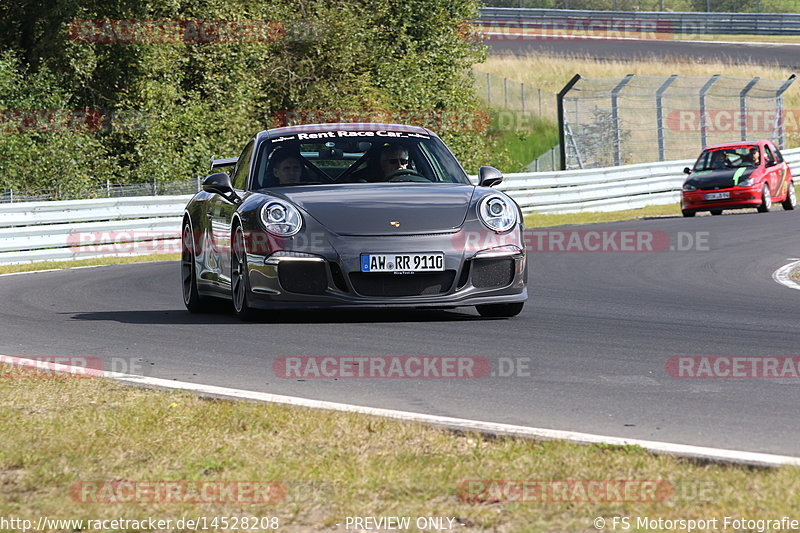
point(345, 126)
point(737, 144)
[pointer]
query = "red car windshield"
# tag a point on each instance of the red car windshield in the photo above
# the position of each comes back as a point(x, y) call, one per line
point(744, 156)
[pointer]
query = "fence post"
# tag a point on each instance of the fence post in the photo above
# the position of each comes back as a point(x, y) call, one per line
point(743, 106)
point(779, 111)
point(615, 118)
point(703, 126)
point(505, 91)
point(660, 114)
point(9, 193)
point(108, 188)
point(540, 101)
point(153, 189)
point(560, 107)
point(488, 88)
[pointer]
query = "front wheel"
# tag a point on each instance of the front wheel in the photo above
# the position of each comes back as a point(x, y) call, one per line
point(716, 212)
point(500, 310)
point(791, 198)
point(766, 200)
point(687, 213)
point(240, 279)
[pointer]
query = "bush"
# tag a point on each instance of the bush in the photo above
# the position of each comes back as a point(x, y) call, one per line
point(168, 107)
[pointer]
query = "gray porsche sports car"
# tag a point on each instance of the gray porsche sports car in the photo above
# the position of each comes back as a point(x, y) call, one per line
point(351, 215)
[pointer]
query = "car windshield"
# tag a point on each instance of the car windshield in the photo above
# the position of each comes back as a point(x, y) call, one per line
point(334, 157)
point(723, 158)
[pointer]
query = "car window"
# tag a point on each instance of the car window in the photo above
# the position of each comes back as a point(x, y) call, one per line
point(722, 158)
point(768, 154)
point(335, 157)
point(777, 154)
point(239, 177)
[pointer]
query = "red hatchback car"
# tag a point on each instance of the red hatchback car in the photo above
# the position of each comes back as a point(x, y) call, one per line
point(738, 175)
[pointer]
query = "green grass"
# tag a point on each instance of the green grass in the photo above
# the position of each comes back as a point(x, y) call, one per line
point(59, 431)
point(524, 137)
point(47, 265)
point(536, 220)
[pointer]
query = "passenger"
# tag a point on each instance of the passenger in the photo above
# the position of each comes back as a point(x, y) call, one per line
point(287, 167)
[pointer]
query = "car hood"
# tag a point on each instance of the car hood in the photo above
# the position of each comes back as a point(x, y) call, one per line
point(723, 178)
point(370, 208)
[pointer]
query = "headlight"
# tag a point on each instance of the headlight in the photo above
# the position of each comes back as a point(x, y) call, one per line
point(281, 218)
point(497, 213)
point(747, 182)
point(688, 187)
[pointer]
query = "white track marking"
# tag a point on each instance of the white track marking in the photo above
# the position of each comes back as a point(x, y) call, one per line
point(784, 273)
point(681, 450)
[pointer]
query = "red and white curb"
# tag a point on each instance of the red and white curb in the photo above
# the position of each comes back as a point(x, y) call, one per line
point(461, 424)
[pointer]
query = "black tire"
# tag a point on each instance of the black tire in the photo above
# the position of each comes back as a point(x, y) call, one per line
point(191, 297)
point(716, 212)
point(688, 213)
point(240, 280)
point(766, 200)
point(500, 310)
point(791, 198)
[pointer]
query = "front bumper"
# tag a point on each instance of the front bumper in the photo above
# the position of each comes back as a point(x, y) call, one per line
point(740, 197)
point(328, 275)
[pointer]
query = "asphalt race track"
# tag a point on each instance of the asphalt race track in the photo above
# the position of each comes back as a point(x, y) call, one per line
point(598, 332)
point(783, 55)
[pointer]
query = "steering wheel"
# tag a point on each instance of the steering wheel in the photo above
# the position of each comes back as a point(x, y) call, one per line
point(407, 174)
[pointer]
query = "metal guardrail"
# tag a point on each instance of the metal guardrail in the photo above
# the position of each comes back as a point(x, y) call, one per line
point(647, 22)
point(84, 229)
point(606, 189)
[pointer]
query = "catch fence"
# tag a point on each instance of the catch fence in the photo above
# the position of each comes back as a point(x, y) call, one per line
point(635, 119)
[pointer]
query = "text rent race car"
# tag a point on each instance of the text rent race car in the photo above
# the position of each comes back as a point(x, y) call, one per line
point(737, 175)
point(352, 215)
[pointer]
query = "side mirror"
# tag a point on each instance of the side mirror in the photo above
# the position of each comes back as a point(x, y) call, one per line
point(687, 170)
point(219, 183)
point(489, 177)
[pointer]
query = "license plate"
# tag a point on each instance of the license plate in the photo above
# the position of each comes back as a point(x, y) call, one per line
point(431, 262)
point(717, 195)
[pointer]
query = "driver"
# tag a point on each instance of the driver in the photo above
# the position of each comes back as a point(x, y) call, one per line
point(392, 159)
point(755, 156)
point(718, 160)
point(382, 162)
